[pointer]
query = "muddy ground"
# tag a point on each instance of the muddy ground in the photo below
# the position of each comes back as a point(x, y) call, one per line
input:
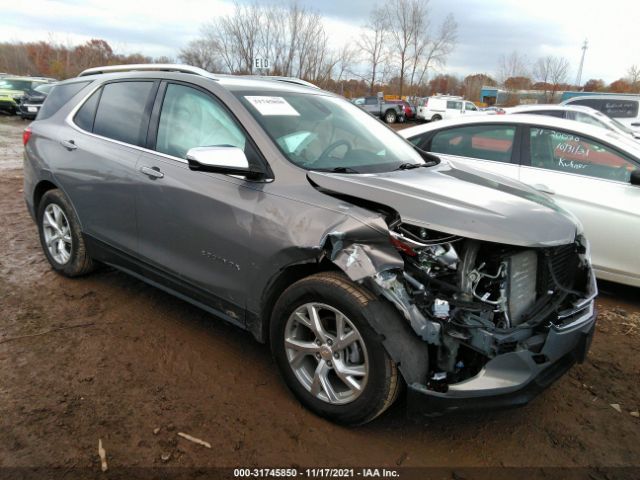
point(109, 357)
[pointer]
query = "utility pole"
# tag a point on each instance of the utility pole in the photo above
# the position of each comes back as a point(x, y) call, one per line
point(584, 51)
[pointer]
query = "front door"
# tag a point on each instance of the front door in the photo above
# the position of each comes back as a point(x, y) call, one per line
point(195, 226)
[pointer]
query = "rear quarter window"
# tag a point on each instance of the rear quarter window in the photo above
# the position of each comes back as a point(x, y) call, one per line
point(58, 97)
point(616, 108)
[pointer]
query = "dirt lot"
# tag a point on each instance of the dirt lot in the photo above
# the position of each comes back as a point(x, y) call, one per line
point(108, 357)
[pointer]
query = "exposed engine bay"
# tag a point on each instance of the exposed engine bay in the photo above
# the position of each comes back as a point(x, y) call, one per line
point(494, 280)
point(474, 300)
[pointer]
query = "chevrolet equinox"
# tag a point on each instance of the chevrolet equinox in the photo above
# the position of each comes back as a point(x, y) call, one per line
point(368, 265)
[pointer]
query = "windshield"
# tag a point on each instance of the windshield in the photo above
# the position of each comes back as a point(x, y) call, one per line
point(319, 132)
point(621, 126)
point(15, 84)
point(44, 88)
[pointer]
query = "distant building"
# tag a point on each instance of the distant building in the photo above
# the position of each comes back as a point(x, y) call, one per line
point(499, 96)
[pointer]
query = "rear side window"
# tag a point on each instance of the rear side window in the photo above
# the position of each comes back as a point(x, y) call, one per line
point(486, 142)
point(121, 112)
point(453, 105)
point(613, 108)
point(58, 96)
point(87, 113)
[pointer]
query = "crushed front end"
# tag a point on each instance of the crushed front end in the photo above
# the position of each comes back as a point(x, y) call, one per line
point(502, 322)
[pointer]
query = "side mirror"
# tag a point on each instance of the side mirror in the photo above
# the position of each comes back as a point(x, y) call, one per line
point(635, 177)
point(221, 159)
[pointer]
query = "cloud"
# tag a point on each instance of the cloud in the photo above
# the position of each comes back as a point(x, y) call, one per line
point(486, 30)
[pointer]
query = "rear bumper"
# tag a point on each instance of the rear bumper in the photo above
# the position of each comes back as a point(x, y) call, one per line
point(512, 379)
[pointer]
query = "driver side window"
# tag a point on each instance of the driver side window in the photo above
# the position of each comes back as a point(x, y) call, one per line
point(190, 118)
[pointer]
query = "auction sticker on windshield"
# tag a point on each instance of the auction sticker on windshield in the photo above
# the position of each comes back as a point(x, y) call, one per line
point(272, 105)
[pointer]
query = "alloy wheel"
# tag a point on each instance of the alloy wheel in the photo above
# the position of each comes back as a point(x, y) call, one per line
point(326, 353)
point(57, 233)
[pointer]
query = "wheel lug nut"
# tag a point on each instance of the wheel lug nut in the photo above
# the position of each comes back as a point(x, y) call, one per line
point(335, 355)
point(329, 364)
point(329, 341)
point(318, 342)
point(318, 356)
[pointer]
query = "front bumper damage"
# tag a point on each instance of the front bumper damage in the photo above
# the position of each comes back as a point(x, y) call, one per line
point(511, 379)
point(487, 319)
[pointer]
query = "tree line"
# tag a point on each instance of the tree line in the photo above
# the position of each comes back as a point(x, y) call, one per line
point(60, 61)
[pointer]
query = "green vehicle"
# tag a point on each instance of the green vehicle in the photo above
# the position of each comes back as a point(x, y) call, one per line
point(13, 88)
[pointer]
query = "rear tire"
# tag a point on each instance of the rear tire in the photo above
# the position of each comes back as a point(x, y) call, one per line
point(60, 236)
point(390, 116)
point(320, 373)
point(435, 118)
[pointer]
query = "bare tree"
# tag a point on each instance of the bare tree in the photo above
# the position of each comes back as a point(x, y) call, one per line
point(552, 72)
point(438, 47)
point(203, 53)
point(372, 46)
point(404, 18)
point(512, 65)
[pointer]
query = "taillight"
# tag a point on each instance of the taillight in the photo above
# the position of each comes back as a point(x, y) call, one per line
point(26, 135)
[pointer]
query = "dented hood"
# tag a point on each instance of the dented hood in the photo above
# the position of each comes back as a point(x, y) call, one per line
point(461, 201)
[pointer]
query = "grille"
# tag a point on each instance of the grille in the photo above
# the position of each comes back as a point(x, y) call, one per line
point(564, 262)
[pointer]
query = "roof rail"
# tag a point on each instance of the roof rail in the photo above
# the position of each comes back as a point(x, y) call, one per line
point(294, 80)
point(155, 67)
point(277, 78)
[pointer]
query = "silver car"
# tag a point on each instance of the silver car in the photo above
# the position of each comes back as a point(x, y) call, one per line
point(593, 173)
point(365, 263)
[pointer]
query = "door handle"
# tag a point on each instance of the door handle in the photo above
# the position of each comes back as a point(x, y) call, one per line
point(152, 172)
point(541, 187)
point(68, 144)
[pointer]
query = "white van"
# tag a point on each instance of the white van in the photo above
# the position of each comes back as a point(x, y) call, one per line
point(624, 108)
point(444, 106)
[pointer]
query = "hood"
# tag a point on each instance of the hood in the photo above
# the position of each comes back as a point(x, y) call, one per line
point(8, 92)
point(461, 201)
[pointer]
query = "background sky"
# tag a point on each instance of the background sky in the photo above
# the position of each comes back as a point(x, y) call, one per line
point(486, 28)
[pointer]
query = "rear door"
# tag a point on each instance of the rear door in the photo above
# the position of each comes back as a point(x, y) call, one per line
point(98, 170)
point(493, 148)
point(195, 227)
point(591, 180)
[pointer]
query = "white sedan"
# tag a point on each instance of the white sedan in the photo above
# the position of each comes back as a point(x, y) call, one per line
point(592, 172)
point(579, 113)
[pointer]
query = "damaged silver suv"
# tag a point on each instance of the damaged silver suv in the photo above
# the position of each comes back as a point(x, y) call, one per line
point(368, 265)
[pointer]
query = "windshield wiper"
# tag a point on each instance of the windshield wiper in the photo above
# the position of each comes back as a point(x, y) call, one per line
point(337, 170)
point(410, 166)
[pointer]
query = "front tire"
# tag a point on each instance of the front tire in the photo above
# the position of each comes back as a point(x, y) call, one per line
point(60, 236)
point(327, 352)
